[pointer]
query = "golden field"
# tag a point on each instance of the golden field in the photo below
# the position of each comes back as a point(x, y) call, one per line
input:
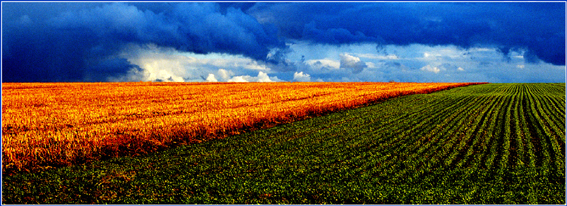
point(47, 125)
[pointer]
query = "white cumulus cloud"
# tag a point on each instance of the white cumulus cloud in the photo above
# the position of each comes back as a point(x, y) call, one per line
point(239, 79)
point(352, 62)
point(211, 78)
point(301, 77)
point(262, 77)
point(225, 74)
point(430, 68)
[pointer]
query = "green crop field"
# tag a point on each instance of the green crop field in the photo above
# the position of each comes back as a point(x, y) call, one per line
point(482, 144)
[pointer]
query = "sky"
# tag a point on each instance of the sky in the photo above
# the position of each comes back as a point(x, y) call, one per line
point(496, 42)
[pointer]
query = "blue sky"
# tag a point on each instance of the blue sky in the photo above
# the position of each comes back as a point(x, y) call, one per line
point(293, 41)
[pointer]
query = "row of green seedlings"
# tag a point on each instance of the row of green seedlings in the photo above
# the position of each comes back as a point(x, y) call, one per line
point(461, 145)
point(477, 111)
point(464, 141)
point(550, 147)
point(524, 137)
point(552, 122)
point(407, 142)
point(334, 154)
point(481, 110)
point(296, 147)
point(552, 102)
point(352, 160)
point(398, 137)
point(432, 148)
point(484, 113)
point(494, 136)
point(428, 150)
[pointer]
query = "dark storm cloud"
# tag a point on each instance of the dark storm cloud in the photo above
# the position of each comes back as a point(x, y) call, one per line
point(536, 27)
point(114, 67)
point(84, 41)
point(73, 41)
